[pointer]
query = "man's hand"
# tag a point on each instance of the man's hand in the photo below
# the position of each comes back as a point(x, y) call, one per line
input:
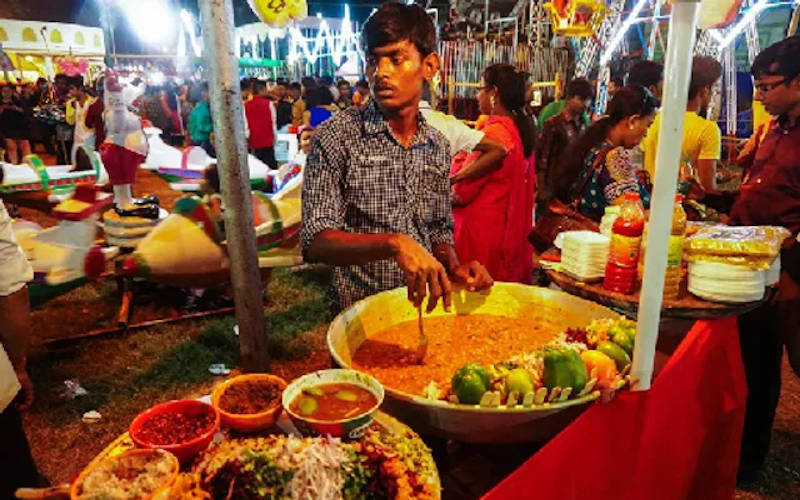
point(473, 275)
point(26, 393)
point(423, 273)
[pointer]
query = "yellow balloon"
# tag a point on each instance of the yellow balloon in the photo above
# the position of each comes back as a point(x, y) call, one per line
point(279, 13)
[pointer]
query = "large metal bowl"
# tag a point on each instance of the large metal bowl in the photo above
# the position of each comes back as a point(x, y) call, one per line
point(470, 423)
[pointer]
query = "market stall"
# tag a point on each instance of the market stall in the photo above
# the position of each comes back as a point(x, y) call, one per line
point(540, 374)
point(42, 49)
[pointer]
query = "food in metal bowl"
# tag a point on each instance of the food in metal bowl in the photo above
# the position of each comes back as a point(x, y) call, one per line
point(495, 361)
point(338, 403)
point(133, 475)
point(453, 341)
point(333, 401)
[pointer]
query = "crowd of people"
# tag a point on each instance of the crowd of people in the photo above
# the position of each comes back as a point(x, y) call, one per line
point(396, 194)
point(43, 113)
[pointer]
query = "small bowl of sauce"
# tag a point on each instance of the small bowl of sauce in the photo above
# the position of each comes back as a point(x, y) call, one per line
point(338, 403)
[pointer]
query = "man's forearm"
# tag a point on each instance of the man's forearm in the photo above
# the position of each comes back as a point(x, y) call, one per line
point(15, 327)
point(343, 248)
point(707, 170)
point(492, 155)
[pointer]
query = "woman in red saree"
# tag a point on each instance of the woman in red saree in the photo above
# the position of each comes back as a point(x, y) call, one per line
point(493, 210)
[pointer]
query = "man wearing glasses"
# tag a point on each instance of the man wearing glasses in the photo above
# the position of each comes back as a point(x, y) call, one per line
point(771, 196)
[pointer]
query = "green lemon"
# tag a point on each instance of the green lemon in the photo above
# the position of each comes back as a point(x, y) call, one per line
point(473, 368)
point(622, 339)
point(616, 353)
point(469, 387)
point(519, 380)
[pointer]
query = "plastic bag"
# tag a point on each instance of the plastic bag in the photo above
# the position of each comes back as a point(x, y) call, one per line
point(745, 241)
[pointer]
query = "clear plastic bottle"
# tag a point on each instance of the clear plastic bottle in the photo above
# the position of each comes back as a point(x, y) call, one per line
point(625, 245)
point(672, 278)
point(610, 215)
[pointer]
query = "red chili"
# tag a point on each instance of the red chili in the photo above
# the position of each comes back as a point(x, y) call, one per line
point(174, 428)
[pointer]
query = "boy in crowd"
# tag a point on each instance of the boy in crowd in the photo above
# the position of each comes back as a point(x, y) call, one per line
point(361, 95)
point(260, 114)
point(560, 131)
point(200, 124)
point(345, 100)
point(647, 74)
point(376, 193)
point(702, 138)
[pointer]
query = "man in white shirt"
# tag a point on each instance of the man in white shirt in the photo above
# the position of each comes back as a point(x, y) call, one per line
point(465, 138)
point(17, 467)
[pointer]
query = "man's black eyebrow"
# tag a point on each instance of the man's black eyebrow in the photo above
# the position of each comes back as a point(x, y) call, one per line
point(393, 52)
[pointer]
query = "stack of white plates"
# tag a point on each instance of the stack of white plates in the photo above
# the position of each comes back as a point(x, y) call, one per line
point(719, 282)
point(773, 274)
point(584, 255)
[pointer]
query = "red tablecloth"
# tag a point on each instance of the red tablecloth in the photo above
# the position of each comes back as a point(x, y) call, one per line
point(679, 440)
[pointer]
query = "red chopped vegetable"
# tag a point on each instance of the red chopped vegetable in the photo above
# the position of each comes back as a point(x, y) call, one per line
point(174, 428)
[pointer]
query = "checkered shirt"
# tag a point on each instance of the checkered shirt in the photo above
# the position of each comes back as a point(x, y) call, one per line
point(359, 178)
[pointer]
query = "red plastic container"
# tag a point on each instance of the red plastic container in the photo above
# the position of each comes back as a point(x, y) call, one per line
point(187, 450)
point(624, 248)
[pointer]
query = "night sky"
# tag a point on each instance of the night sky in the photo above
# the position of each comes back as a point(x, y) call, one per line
point(86, 12)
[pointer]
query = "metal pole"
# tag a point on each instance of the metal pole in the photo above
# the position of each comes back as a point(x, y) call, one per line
point(226, 105)
point(676, 92)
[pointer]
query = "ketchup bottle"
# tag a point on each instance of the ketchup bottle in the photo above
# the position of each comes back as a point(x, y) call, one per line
point(624, 249)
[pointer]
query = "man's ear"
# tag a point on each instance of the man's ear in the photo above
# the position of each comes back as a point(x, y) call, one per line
point(430, 66)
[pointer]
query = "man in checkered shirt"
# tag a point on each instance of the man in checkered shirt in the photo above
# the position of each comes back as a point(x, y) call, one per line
point(376, 194)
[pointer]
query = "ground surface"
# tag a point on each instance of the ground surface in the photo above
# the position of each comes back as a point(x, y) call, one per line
point(127, 373)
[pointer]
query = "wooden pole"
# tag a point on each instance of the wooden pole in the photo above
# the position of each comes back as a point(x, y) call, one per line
point(234, 176)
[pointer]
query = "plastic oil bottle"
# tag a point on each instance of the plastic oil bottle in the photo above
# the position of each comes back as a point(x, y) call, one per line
point(672, 278)
point(625, 246)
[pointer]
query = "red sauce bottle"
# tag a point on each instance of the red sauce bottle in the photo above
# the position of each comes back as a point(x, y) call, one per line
point(624, 249)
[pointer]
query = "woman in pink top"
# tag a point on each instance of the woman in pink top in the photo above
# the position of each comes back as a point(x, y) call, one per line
point(494, 212)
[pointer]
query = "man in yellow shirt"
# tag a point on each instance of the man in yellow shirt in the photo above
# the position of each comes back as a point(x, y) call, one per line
point(702, 139)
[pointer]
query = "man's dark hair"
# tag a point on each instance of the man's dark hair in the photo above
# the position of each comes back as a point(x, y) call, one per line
point(259, 85)
point(580, 87)
point(326, 80)
point(395, 22)
point(60, 76)
point(75, 81)
point(246, 84)
point(645, 74)
point(342, 82)
point(294, 86)
point(362, 84)
point(705, 71)
point(308, 82)
point(779, 59)
point(318, 96)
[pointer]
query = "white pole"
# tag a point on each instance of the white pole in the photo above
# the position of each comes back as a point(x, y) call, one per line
point(680, 46)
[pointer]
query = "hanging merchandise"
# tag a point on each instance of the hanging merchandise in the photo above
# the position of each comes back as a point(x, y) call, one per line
point(71, 66)
point(279, 13)
point(576, 17)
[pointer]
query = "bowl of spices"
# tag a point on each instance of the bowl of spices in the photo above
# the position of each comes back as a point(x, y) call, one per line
point(183, 427)
point(249, 403)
